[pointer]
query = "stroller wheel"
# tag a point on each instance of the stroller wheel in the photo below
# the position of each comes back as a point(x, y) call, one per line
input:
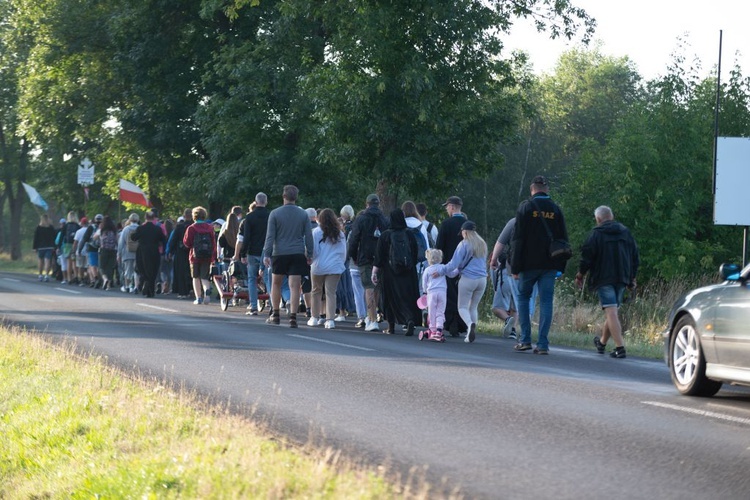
point(422, 335)
point(226, 282)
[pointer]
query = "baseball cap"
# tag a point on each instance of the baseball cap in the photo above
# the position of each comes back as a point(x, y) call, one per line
point(373, 199)
point(99, 218)
point(454, 200)
point(219, 222)
point(468, 226)
point(540, 180)
point(63, 221)
point(84, 220)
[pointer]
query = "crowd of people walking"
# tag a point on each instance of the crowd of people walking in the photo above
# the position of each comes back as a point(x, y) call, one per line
point(367, 267)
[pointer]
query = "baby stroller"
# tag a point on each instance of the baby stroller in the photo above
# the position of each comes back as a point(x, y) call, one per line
point(232, 286)
point(428, 334)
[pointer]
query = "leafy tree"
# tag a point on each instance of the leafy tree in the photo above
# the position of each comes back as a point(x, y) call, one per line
point(403, 97)
point(15, 148)
point(655, 171)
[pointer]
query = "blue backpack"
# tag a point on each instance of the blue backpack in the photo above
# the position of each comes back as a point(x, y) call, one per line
point(421, 243)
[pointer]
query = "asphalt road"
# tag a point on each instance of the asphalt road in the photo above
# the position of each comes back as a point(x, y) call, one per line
point(475, 418)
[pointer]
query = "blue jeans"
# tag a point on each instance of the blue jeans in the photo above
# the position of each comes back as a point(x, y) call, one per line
point(253, 266)
point(545, 280)
point(516, 299)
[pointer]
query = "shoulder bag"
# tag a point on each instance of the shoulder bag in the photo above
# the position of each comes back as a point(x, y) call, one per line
point(559, 249)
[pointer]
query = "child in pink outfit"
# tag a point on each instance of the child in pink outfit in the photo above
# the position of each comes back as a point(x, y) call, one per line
point(436, 289)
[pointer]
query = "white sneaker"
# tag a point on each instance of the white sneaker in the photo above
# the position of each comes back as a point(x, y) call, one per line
point(330, 324)
point(41, 277)
point(321, 321)
point(124, 289)
point(312, 322)
point(340, 317)
point(371, 326)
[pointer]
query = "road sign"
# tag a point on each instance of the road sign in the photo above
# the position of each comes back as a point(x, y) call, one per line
point(86, 172)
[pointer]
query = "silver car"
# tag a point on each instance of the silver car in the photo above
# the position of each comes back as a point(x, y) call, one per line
point(707, 340)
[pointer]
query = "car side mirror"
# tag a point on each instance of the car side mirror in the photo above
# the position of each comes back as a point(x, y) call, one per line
point(730, 272)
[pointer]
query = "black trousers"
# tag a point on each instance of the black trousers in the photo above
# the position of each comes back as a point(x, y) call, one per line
point(453, 322)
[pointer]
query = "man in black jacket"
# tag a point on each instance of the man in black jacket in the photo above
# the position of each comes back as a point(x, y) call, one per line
point(363, 242)
point(531, 263)
point(448, 238)
point(250, 241)
point(610, 256)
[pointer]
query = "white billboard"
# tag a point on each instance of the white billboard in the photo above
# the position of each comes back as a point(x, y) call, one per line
point(731, 203)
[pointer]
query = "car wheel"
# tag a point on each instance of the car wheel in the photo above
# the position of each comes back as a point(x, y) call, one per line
point(687, 365)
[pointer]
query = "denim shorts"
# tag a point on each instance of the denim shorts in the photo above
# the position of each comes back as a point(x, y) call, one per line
point(610, 295)
point(44, 253)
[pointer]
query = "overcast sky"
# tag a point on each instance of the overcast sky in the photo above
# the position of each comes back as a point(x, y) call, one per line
point(647, 31)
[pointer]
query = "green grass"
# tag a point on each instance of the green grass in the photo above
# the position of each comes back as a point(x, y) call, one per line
point(27, 264)
point(72, 427)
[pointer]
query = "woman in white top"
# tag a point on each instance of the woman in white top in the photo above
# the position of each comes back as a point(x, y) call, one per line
point(413, 222)
point(328, 263)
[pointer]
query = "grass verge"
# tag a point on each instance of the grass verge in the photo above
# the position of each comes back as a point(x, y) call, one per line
point(27, 264)
point(578, 316)
point(73, 428)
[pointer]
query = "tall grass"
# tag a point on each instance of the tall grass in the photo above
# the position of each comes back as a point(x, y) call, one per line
point(77, 428)
point(578, 316)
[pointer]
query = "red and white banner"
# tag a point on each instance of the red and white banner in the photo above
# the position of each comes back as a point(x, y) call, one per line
point(131, 193)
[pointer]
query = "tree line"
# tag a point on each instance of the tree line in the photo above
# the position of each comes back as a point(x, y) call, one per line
point(209, 101)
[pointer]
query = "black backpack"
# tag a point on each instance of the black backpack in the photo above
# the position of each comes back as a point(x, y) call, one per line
point(399, 254)
point(86, 242)
point(202, 246)
point(71, 228)
point(430, 239)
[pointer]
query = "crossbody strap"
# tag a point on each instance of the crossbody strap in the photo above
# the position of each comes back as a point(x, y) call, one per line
point(544, 221)
point(471, 256)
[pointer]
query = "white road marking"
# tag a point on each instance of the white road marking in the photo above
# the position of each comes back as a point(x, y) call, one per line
point(12, 279)
point(702, 413)
point(74, 292)
point(42, 299)
point(330, 342)
point(156, 307)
